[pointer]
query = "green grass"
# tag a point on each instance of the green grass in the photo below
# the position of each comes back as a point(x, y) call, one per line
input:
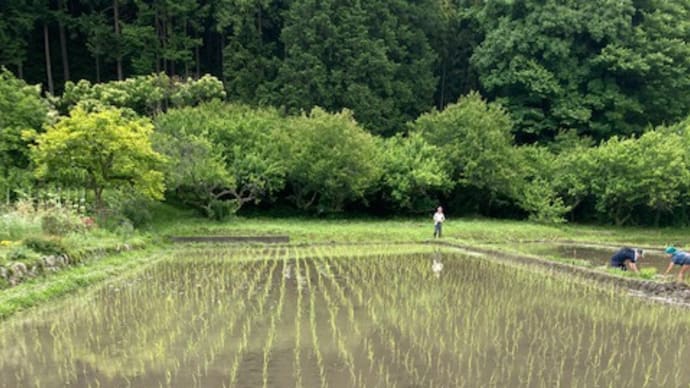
point(479, 231)
point(44, 289)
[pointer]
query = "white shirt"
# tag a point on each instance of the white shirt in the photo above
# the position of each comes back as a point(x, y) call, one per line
point(439, 218)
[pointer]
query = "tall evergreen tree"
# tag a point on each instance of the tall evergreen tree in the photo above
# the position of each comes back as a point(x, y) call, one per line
point(370, 57)
point(251, 55)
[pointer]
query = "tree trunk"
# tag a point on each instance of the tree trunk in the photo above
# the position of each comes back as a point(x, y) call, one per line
point(49, 70)
point(221, 50)
point(168, 35)
point(164, 46)
point(63, 43)
point(98, 68)
point(197, 59)
point(158, 35)
point(20, 69)
point(443, 86)
point(116, 21)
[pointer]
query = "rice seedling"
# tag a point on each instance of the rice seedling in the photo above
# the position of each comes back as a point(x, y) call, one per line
point(341, 316)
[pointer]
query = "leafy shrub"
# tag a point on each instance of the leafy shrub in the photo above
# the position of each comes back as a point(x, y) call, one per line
point(22, 253)
point(137, 211)
point(59, 222)
point(14, 226)
point(221, 210)
point(145, 95)
point(46, 246)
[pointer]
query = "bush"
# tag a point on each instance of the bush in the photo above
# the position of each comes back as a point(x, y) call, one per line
point(14, 226)
point(22, 253)
point(59, 222)
point(221, 210)
point(137, 211)
point(46, 246)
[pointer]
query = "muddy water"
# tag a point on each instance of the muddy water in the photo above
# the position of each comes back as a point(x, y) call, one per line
point(381, 321)
point(595, 256)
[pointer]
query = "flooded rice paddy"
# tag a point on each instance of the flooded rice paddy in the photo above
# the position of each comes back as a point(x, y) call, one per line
point(321, 317)
point(587, 254)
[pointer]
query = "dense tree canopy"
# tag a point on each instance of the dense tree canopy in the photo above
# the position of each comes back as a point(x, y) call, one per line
point(550, 109)
point(601, 67)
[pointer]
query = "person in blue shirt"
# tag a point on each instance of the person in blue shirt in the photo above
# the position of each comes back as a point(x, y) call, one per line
point(678, 257)
point(626, 258)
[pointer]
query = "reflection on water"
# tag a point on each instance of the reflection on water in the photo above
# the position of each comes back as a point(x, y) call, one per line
point(437, 265)
point(595, 256)
point(368, 322)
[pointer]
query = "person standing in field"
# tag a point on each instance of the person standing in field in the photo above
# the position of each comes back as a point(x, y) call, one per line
point(677, 257)
point(439, 218)
point(626, 258)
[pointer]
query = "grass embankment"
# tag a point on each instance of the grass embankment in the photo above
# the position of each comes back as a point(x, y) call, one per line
point(48, 288)
point(476, 231)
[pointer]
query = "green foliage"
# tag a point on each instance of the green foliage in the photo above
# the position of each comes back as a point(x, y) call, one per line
point(652, 171)
point(413, 170)
point(23, 253)
point(60, 221)
point(538, 193)
point(598, 66)
point(221, 153)
point(383, 73)
point(45, 246)
point(21, 110)
point(145, 95)
point(329, 160)
point(137, 210)
point(475, 138)
point(100, 150)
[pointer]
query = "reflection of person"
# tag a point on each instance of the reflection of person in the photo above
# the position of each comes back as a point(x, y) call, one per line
point(439, 218)
point(678, 257)
point(437, 265)
point(626, 258)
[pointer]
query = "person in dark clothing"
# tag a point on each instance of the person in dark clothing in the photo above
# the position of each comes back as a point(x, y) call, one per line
point(626, 258)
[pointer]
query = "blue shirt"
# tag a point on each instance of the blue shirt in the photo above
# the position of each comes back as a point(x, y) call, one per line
point(680, 258)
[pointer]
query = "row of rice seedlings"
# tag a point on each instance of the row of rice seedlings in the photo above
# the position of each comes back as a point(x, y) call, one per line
point(325, 272)
point(380, 303)
point(249, 324)
point(297, 364)
point(370, 357)
point(274, 320)
point(316, 348)
point(374, 361)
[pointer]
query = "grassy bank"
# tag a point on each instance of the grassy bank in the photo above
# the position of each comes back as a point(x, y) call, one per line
point(479, 231)
point(48, 288)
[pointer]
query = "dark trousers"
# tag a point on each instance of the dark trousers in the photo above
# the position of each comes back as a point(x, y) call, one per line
point(437, 229)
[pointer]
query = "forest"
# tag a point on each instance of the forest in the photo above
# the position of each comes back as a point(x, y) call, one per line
point(550, 110)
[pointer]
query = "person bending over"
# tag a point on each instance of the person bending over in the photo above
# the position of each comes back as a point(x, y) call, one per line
point(626, 258)
point(678, 257)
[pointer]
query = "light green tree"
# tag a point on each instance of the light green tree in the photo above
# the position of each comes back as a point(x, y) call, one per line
point(234, 144)
point(476, 140)
point(101, 150)
point(413, 170)
point(650, 172)
point(329, 159)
